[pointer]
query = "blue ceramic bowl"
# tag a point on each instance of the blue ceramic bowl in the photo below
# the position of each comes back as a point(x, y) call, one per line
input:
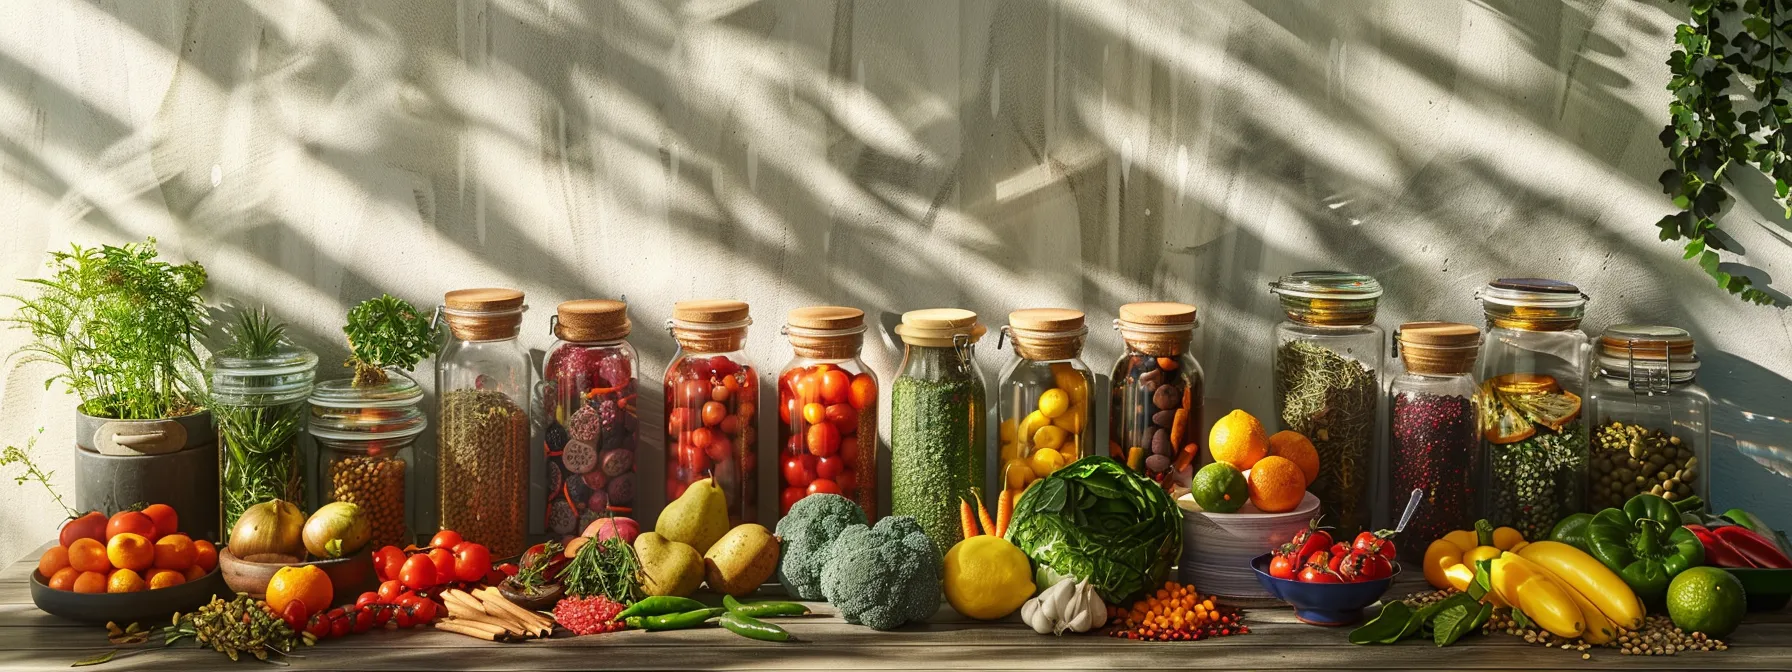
point(1323, 603)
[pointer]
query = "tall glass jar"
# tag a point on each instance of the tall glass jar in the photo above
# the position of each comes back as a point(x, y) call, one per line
point(258, 407)
point(712, 397)
point(1432, 441)
point(1533, 376)
point(1328, 360)
point(483, 382)
point(1651, 421)
point(1042, 401)
point(827, 408)
point(364, 437)
point(938, 429)
point(1155, 410)
point(587, 413)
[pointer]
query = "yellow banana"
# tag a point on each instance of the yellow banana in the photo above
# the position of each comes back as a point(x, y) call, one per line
point(1599, 629)
point(1591, 578)
point(1526, 585)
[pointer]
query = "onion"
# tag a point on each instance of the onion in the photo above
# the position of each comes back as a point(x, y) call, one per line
point(336, 529)
point(273, 526)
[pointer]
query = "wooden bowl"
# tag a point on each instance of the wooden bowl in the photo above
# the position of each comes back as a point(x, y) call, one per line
point(150, 607)
point(543, 601)
point(349, 576)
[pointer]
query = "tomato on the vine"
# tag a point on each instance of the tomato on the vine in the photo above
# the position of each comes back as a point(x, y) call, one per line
point(471, 561)
point(1282, 564)
point(390, 589)
point(446, 539)
point(418, 573)
point(367, 598)
point(387, 562)
point(1311, 540)
point(424, 611)
point(1375, 542)
point(444, 562)
point(1361, 566)
point(1311, 574)
point(295, 615)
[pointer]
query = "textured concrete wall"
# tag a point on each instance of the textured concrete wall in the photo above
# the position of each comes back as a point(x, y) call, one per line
point(889, 155)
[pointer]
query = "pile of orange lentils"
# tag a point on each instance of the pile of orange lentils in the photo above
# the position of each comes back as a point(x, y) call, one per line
point(1175, 613)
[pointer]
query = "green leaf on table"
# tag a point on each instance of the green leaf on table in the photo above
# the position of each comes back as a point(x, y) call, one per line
point(1521, 620)
point(1483, 581)
point(1450, 623)
point(1395, 621)
point(96, 660)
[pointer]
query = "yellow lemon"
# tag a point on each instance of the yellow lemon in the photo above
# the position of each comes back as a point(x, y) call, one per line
point(1017, 474)
point(1054, 402)
point(1049, 436)
point(1010, 451)
point(1031, 424)
point(1071, 381)
point(1045, 461)
point(987, 578)
point(1069, 450)
point(1072, 420)
point(1009, 430)
point(1239, 440)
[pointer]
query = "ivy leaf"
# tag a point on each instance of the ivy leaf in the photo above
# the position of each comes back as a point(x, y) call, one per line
point(1670, 226)
point(1708, 261)
point(1694, 248)
point(1757, 26)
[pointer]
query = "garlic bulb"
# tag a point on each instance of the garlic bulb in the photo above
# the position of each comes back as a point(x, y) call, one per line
point(1067, 605)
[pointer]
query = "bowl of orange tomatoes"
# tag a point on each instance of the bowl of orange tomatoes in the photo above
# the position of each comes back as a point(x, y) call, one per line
point(131, 566)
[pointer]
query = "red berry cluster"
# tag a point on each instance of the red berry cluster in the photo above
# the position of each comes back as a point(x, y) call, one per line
point(588, 615)
point(1229, 622)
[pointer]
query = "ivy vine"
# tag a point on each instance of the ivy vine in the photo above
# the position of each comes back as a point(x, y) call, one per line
point(1708, 137)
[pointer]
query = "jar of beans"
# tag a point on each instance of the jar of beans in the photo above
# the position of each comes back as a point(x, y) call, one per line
point(482, 447)
point(1042, 401)
point(364, 437)
point(1155, 409)
point(587, 413)
point(1651, 421)
point(827, 410)
point(712, 395)
point(1433, 443)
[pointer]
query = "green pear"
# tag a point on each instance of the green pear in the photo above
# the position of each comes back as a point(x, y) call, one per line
point(698, 517)
point(668, 567)
point(741, 560)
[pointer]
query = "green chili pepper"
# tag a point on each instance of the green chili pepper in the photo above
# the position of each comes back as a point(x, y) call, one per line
point(680, 621)
point(660, 606)
point(763, 609)
point(753, 628)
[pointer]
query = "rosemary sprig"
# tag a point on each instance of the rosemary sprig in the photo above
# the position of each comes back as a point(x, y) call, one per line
point(608, 567)
point(13, 455)
point(256, 334)
point(387, 332)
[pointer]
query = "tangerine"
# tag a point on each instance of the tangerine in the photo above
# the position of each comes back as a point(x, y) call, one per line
point(54, 559)
point(205, 555)
point(63, 579)
point(125, 581)
point(1277, 484)
point(1239, 440)
point(90, 582)
point(129, 550)
point(175, 551)
point(1295, 446)
point(300, 583)
point(163, 578)
point(195, 572)
point(88, 555)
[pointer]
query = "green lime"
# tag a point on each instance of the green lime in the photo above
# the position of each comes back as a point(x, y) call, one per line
point(1220, 488)
point(1708, 600)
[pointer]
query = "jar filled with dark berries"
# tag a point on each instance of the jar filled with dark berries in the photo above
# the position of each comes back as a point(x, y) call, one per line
point(588, 416)
point(1155, 409)
point(827, 410)
point(711, 397)
point(1433, 442)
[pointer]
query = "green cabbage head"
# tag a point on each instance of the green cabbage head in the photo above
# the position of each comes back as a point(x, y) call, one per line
point(1095, 519)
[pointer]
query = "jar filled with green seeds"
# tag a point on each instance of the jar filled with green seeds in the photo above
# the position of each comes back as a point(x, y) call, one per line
point(1651, 421)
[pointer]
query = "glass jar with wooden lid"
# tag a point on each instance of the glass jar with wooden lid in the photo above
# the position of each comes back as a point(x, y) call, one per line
point(1042, 399)
point(827, 410)
point(364, 435)
point(1155, 409)
point(712, 397)
point(1651, 420)
point(1433, 445)
point(483, 381)
point(588, 415)
point(939, 433)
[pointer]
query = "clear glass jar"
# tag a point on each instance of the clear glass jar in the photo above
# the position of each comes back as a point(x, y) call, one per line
point(1651, 421)
point(258, 407)
point(938, 421)
point(1533, 375)
point(1327, 387)
point(1155, 411)
point(482, 447)
point(712, 397)
point(587, 411)
point(1042, 399)
point(1433, 444)
point(364, 437)
point(827, 408)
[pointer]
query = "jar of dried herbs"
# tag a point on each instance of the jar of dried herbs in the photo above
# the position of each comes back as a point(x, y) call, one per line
point(259, 383)
point(712, 402)
point(938, 421)
point(1432, 442)
point(1155, 409)
point(1042, 405)
point(588, 416)
point(1327, 386)
point(1533, 373)
point(482, 447)
point(364, 436)
point(1651, 430)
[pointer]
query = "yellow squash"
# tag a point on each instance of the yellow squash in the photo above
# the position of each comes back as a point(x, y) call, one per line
point(1591, 578)
point(1450, 564)
point(1528, 587)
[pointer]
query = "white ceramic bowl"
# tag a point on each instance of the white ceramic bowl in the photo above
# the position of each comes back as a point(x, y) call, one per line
point(1217, 547)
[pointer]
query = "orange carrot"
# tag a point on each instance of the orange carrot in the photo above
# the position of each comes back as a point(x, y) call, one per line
point(989, 526)
point(966, 518)
point(1004, 511)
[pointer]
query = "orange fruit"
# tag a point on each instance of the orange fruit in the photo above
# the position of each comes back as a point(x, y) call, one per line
point(205, 555)
point(163, 578)
point(300, 583)
point(1239, 440)
point(125, 581)
point(166, 520)
point(175, 552)
point(88, 555)
point(64, 579)
point(195, 572)
point(1277, 484)
point(90, 582)
point(1295, 446)
point(129, 550)
point(54, 559)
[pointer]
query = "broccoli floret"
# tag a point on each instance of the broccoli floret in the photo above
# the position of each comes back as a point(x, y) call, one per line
point(811, 525)
point(884, 576)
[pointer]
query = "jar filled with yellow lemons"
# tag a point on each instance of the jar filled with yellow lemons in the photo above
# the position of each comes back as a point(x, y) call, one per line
point(1154, 413)
point(1043, 397)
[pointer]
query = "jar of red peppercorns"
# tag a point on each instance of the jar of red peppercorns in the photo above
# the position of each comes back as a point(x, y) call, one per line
point(588, 416)
point(711, 397)
point(827, 405)
point(1433, 443)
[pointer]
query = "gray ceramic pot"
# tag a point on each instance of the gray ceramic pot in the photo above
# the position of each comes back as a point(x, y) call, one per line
point(177, 466)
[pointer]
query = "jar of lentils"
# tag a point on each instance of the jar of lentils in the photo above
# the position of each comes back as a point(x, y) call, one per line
point(1651, 421)
point(364, 437)
point(587, 412)
point(482, 447)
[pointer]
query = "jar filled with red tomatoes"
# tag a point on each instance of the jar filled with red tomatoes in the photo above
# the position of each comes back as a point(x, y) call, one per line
point(711, 397)
point(588, 416)
point(827, 407)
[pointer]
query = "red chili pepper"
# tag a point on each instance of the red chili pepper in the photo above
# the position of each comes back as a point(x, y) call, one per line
point(1719, 553)
point(1754, 547)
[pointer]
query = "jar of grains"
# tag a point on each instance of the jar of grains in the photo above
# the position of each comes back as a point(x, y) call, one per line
point(827, 407)
point(482, 447)
point(712, 397)
point(938, 427)
point(364, 437)
point(587, 411)
point(1155, 410)
point(1651, 422)
point(1432, 442)
point(1042, 401)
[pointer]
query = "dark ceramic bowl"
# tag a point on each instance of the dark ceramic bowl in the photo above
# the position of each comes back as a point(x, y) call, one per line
point(1767, 589)
point(150, 607)
point(1323, 603)
point(349, 577)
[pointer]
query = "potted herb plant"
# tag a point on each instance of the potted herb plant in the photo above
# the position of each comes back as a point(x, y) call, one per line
point(122, 324)
point(260, 382)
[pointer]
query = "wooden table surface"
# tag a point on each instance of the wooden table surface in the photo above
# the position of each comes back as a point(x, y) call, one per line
point(33, 640)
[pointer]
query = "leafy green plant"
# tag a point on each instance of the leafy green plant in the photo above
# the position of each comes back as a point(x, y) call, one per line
point(1095, 519)
point(22, 456)
point(1707, 138)
point(258, 433)
point(388, 331)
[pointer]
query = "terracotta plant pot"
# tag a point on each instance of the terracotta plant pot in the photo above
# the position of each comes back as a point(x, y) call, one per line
point(349, 576)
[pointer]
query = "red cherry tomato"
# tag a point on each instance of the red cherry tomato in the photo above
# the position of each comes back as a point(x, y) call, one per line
point(92, 525)
point(790, 496)
point(722, 392)
point(808, 388)
point(318, 625)
point(340, 624)
point(131, 521)
point(418, 573)
point(829, 467)
point(823, 440)
point(821, 485)
point(361, 619)
point(1310, 541)
point(390, 590)
point(835, 385)
point(849, 449)
point(809, 462)
point(166, 520)
point(848, 482)
point(787, 381)
point(843, 417)
point(1364, 566)
point(1282, 564)
point(1311, 574)
point(864, 392)
point(404, 617)
point(295, 615)
point(423, 612)
point(794, 474)
point(446, 539)
point(713, 412)
point(701, 437)
point(1374, 542)
point(366, 599)
point(693, 393)
point(720, 449)
point(471, 562)
point(788, 408)
point(443, 559)
point(693, 458)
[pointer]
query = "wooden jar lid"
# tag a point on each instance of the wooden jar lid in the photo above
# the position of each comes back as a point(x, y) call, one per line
point(591, 320)
point(710, 311)
point(1047, 334)
point(1046, 319)
point(483, 314)
point(1438, 347)
point(939, 327)
point(483, 300)
point(826, 317)
point(826, 332)
point(1157, 313)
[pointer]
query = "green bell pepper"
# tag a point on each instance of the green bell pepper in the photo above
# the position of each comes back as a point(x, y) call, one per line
point(1572, 530)
point(1645, 544)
